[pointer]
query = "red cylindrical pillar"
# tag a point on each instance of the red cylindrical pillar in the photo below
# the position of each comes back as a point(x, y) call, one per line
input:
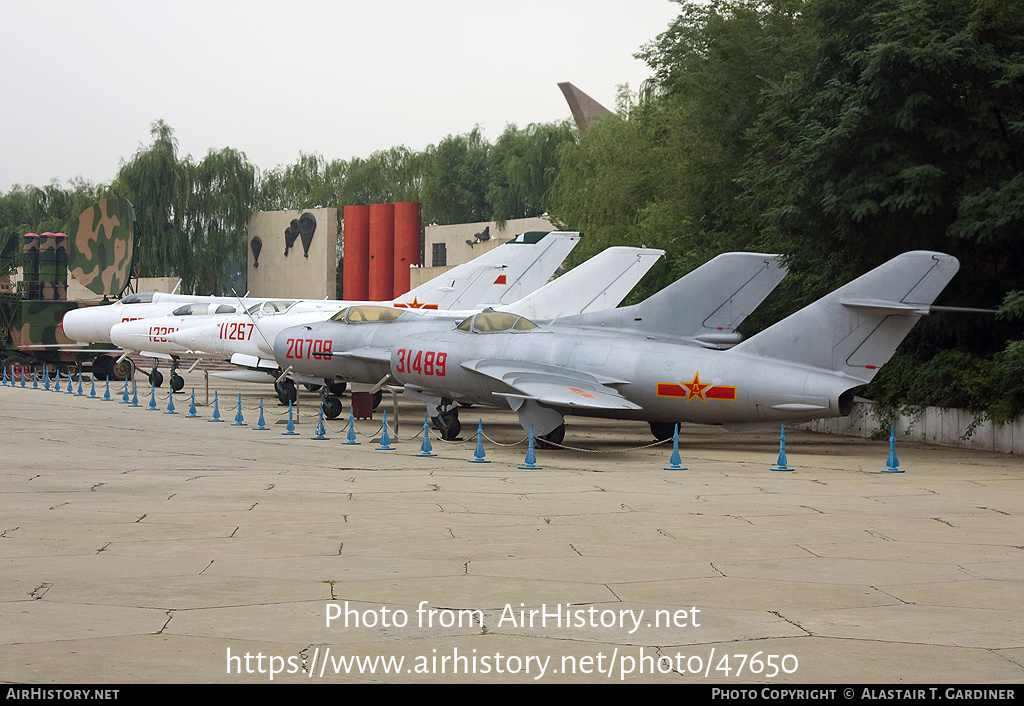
point(407, 243)
point(382, 251)
point(356, 253)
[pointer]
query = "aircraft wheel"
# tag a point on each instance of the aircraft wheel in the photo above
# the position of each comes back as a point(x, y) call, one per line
point(286, 392)
point(448, 424)
point(663, 430)
point(156, 378)
point(332, 407)
point(377, 397)
point(548, 441)
point(337, 388)
point(125, 370)
point(177, 382)
point(101, 367)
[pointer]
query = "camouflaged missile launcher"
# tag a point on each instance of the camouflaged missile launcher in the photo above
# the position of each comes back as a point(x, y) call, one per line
point(103, 247)
point(100, 255)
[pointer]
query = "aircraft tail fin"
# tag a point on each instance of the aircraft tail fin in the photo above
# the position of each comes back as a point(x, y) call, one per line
point(856, 329)
point(500, 276)
point(600, 283)
point(707, 304)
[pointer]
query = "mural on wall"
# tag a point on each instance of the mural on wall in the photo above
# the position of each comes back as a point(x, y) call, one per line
point(302, 227)
point(257, 246)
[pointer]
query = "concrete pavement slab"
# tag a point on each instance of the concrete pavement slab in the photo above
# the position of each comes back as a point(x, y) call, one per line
point(142, 547)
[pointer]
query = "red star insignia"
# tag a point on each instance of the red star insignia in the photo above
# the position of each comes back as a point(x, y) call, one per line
point(696, 388)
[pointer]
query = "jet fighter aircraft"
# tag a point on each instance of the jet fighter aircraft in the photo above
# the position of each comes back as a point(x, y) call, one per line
point(496, 277)
point(599, 283)
point(367, 343)
point(629, 363)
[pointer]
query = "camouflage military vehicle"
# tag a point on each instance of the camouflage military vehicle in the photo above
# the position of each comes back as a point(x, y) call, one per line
point(101, 255)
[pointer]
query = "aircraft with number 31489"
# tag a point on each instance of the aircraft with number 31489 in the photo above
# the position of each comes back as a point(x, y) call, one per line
point(632, 363)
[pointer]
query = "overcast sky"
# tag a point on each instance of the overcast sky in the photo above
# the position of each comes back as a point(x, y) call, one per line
point(84, 81)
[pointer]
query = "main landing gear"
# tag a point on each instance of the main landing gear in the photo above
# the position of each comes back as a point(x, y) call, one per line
point(663, 430)
point(552, 439)
point(447, 422)
point(156, 378)
point(286, 392)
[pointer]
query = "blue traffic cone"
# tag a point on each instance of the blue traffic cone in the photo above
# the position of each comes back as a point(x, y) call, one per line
point(46, 378)
point(321, 432)
point(135, 394)
point(125, 399)
point(192, 414)
point(152, 397)
point(216, 409)
point(239, 420)
point(261, 425)
point(56, 386)
point(385, 440)
point(782, 453)
point(351, 436)
point(290, 429)
point(170, 400)
point(674, 460)
point(529, 463)
point(478, 452)
point(425, 448)
point(106, 391)
point(892, 465)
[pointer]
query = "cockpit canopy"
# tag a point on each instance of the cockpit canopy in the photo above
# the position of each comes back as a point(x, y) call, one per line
point(494, 321)
point(203, 309)
point(271, 307)
point(368, 313)
point(138, 298)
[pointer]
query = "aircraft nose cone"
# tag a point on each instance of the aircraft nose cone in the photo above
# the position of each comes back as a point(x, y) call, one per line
point(80, 325)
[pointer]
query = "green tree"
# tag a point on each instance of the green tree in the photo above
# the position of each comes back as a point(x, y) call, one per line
point(150, 181)
point(523, 167)
point(664, 173)
point(454, 188)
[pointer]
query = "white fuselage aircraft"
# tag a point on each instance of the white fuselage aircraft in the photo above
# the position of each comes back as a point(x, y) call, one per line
point(494, 278)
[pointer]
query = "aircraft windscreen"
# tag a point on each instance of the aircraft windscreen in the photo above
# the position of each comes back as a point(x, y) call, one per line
point(275, 307)
point(368, 314)
point(494, 321)
point(138, 298)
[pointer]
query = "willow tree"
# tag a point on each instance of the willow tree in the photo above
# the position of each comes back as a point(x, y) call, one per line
point(523, 165)
point(455, 180)
point(150, 181)
point(215, 203)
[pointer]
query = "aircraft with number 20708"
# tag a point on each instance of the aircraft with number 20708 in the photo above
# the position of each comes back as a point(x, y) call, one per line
point(370, 343)
point(634, 362)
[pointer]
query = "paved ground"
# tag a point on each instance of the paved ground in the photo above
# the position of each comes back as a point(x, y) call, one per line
point(138, 546)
